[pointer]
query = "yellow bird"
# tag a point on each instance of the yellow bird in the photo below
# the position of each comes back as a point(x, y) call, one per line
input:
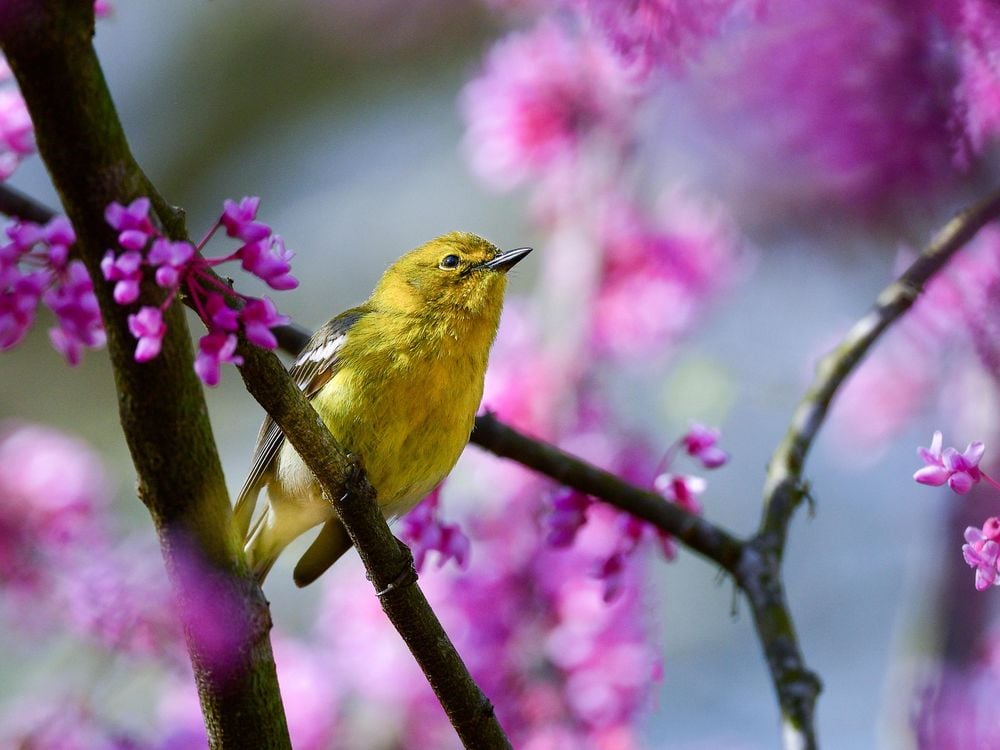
point(397, 381)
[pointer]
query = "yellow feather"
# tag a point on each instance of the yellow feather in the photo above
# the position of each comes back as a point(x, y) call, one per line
point(407, 383)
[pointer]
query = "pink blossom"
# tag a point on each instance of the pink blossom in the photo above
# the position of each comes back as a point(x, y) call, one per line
point(424, 532)
point(72, 300)
point(214, 349)
point(60, 722)
point(269, 260)
point(978, 89)
point(960, 470)
point(701, 443)
point(221, 317)
point(835, 102)
point(239, 220)
point(53, 492)
point(681, 489)
point(133, 218)
point(541, 93)
point(659, 271)
point(21, 293)
point(147, 325)
point(63, 285)
point(126, 271)
point(651, 34)
point(258, 318)
point(169, 258)
point(569, 514)
point(981, 551)
point(954, 706)
point(179, 265)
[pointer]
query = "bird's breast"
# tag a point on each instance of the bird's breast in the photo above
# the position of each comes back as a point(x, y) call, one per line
point(408, 417)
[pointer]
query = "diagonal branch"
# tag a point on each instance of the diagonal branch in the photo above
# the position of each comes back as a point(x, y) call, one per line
point(783, 489)
point(164, 415)
point(161, 403)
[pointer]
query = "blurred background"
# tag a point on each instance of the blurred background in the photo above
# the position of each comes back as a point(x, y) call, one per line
point(357, 126)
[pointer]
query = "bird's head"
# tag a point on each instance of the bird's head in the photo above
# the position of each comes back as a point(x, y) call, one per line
point(457, 272)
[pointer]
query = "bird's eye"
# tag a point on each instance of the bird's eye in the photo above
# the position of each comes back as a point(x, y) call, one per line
point(449, 262)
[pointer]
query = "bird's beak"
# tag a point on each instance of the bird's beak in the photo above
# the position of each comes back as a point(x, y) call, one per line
point(507, 260)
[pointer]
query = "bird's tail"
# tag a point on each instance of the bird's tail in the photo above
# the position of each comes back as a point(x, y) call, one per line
point(263, 547)
point(325, 550)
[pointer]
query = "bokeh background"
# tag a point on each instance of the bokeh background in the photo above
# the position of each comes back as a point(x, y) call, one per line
point(346, 119)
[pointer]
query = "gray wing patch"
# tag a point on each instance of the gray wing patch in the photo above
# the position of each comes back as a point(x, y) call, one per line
point(314, 367)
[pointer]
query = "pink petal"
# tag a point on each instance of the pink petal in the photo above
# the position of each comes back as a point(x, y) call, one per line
point(932, 475)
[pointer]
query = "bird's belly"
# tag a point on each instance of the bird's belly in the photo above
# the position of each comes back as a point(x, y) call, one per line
point(408, 431)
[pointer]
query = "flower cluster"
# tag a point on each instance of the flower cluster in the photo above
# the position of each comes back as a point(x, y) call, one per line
point(977, 93)
point(981, 551)
point(180, 266)
point(35, 267)
point(961, 472)
point(571, 509)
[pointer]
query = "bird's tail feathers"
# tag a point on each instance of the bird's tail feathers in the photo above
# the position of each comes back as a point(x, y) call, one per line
point(325, 550)
point(262, 547)
point(246, 503)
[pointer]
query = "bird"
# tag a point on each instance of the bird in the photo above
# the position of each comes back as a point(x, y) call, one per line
point(397, 381)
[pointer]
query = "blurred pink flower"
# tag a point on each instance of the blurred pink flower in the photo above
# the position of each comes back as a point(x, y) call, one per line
point(53, 494)
point(651, 34)
point(978, 89)
point(951, 328)
point(955, 708)
point(701, 442)
point(836, 102)
point(540, 94)
point(659, 271)
point(17, 134)
point(981, 551)
point(424, 532)
point(49, 723)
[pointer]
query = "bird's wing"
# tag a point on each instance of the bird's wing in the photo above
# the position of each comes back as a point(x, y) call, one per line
point(316, 364)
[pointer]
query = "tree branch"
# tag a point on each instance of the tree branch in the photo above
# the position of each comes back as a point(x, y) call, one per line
point(165, 418)
point(388, 563)
point(783, 489)
point(161, 403)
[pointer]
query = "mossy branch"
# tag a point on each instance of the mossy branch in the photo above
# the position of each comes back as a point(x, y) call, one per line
point(161, 403)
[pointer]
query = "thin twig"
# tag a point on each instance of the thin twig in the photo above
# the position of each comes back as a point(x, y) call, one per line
point(783, 489)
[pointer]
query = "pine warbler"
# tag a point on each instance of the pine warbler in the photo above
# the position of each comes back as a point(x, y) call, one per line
point(397, 381)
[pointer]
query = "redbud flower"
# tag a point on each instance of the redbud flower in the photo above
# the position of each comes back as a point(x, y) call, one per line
point(681, 489)
point(126, 270)
point(238, 219)
point(424, 531)
point(179, 265)
point(132, 222)
point(259, 317)
point(63, 285)
point(269, 259)
point(214, 349)
point(960, 470)
point(147, 325)
point(569, 514)
point(169, 258)
point(700, 442)
point(981, 551)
